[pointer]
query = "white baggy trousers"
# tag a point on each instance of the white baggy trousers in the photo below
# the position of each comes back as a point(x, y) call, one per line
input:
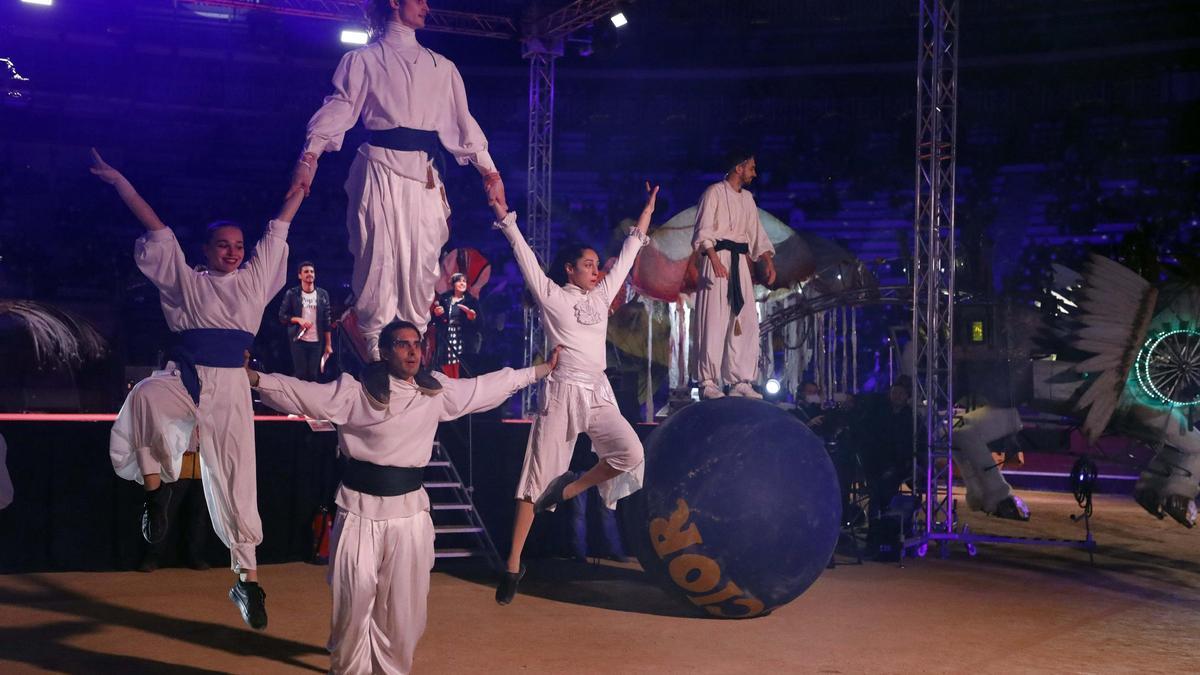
point(986, 486)
point(578, 404)
point(1175, 468)
point(725, 355)
point(397, 229)
point(379, 577)
point(155, 427)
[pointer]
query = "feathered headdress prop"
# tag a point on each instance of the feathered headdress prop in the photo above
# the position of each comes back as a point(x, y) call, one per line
point(59, 338)
point(1116, 307)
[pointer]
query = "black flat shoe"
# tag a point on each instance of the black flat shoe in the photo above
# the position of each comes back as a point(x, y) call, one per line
point(154, 514)
point(553, 496)
point(507, 589)
point(251, 601)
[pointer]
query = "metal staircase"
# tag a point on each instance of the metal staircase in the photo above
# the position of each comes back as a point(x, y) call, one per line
point(459, 529)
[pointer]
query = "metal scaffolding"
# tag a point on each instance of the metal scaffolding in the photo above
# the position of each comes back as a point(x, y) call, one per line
point(541, 58)
point(542, 48)
point(933, 269)
point(442, 21)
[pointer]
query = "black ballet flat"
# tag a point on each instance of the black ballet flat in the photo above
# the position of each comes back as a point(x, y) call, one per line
point(553, 496)
point(507, 589)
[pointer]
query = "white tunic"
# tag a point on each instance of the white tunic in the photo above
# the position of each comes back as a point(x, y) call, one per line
point(725, 213)
point(194, 298)
point(155, 425)
point(574, 319)
point(395, 82)
point(400, 435)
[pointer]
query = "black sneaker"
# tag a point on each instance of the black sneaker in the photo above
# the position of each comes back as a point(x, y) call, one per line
point(1012, 508)
point(154, 514)
point(149, 564)
point(251, 600)
point(427, 383)
point(553, 495)
point(1182, 509)
point(507, 589)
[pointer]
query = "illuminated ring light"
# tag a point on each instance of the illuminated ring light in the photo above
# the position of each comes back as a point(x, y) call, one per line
point(1168, 367)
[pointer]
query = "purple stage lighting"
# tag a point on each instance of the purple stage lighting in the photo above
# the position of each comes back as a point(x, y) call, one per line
point(43, 3)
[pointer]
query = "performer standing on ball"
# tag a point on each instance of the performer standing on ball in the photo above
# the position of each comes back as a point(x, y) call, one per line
point(729, 237)
point(413, 102)
point(578, 397)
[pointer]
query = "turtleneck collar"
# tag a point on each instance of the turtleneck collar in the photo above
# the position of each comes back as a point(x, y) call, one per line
point(400, 36)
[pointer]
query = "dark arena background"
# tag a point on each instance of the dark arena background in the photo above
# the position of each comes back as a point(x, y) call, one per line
point(986, 222)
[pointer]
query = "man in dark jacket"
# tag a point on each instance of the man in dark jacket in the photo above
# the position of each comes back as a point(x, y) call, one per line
point(305, 312)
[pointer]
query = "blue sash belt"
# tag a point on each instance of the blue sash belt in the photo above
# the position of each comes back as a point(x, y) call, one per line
point(408, 140)
point(212, 347)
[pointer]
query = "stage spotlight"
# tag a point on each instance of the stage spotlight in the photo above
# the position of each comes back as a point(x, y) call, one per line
point(773, 387)
point(354, 37)
point(618, 19)
point(43, 3)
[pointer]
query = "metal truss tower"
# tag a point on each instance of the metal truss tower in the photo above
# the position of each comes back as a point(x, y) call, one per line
point(542, 47)
point(933, 267)
point(541, 56)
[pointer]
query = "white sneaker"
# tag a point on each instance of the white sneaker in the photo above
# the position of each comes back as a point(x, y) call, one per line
point(744, 390)
point(709, 391)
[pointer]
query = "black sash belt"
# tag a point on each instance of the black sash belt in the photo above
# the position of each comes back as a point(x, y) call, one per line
point(382, 481)
point(736, 251)
point(408, 140)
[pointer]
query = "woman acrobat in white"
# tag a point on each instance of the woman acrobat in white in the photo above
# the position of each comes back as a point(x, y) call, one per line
point(578, 398)
point(202, 393)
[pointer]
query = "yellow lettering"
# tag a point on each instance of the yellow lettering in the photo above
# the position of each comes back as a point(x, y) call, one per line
point(695, 573)
point(731, 590)
point(669, 536)
point(753, 606)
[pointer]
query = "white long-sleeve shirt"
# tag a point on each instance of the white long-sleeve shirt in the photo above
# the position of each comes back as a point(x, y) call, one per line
point(573, 318)
point(725, 213)
point(395, 82)
point(399, 435)
point(195, 298)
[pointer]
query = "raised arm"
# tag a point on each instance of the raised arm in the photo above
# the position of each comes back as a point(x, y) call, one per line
point(128, 194)
point(471, 395)
point(632, 246)
point(535, 278)
point(332, 401)
point(291, 204)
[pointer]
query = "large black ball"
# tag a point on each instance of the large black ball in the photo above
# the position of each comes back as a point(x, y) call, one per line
point(740, 509)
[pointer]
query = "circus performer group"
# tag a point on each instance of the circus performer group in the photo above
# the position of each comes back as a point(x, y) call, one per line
point(413, 103)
